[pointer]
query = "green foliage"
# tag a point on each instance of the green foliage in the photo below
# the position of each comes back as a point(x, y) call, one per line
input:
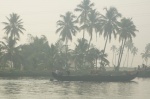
point(38, 55)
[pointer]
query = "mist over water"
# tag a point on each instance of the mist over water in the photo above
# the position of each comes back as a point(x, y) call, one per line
point(40, 17)
point(43, 88)
point(47, 13)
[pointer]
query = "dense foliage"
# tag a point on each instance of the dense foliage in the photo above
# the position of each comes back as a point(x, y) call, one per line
point(39, 55)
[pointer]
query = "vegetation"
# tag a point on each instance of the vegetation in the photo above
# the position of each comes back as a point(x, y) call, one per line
point(38, 55)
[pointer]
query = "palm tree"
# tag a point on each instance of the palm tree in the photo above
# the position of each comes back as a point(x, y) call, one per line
point(113, 48)
point(129, 46)
point(85, 8)
point(93, 56)
point(92, 23)
point(11, 53)
point(36, 53)
point(134, 52)
point(80, 52)
point(60, 50)
point(14, 26)
point(67, 28)
point(109, 24)
point(126, 32)
point(104, 62)
point(145, 56)
point(146, 53)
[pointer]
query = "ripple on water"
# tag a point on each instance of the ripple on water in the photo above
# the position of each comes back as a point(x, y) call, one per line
point(43, 88)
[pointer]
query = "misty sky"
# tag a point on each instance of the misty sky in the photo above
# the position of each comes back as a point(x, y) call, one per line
point(40, 17)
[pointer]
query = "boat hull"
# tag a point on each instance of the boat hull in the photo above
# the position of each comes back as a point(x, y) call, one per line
point(99, 78)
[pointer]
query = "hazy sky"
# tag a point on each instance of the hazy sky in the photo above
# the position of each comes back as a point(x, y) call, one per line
point(40, 17)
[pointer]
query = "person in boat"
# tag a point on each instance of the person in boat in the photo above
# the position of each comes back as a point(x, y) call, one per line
point(58, 72)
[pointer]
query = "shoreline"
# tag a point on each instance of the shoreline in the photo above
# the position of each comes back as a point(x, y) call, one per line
point(48, 74)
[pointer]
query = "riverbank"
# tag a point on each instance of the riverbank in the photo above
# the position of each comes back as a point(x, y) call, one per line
point(14, 73)
point(25, 74)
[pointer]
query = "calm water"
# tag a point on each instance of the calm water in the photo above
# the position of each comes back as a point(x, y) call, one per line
point(43, 88)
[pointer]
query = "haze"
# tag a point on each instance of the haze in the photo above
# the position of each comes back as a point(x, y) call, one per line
point(40, 17)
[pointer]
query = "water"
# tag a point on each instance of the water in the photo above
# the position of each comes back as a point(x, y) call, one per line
point(43, 88)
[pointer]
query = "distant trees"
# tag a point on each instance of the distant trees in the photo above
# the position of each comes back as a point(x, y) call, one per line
point(85, 57)
point(126, 32)
point(67, 28)
point(37, 54)
point(92, 23)
point(84, 8)
point(13, 27)
point(114, 49)
point(146, 54)
point(129, 45)
point(109, 24)
point(10, 52)
point(134, 52)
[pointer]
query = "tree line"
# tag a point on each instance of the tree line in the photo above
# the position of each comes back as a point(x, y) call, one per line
point(38, 54)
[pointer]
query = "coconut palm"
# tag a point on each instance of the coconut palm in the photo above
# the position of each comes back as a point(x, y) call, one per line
point(113, 48)
point(80, 52)
point(92, 23)
point(11, 53)
point(14, 26)
point(104, 62)
point(84, 8)
point(126, 32)
point(67, 28)
point(145, 56)
point(129, 46)
point(93, 56)
point(109, 24)
point(134, 52)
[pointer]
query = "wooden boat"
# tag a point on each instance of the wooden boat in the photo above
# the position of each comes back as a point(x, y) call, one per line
point(99, 78)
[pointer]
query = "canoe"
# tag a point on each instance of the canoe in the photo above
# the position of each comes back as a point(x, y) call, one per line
point(99, 78)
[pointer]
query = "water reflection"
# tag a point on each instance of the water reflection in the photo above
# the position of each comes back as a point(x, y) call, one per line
point(93, 89)
point(30, 88)
point(12, 87)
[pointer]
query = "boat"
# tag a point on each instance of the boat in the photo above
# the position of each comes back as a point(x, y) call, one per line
point(98, 78)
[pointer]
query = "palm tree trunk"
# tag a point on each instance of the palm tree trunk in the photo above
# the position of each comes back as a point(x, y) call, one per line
point(132, 60)
point(103, 68)
point(121, 54)
point(11, 59)
point(128, 59)
point(66, 52)
point(84, 24)
point(105, 44)
point(90, 41)
point(125, 58)
point(113, 58)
